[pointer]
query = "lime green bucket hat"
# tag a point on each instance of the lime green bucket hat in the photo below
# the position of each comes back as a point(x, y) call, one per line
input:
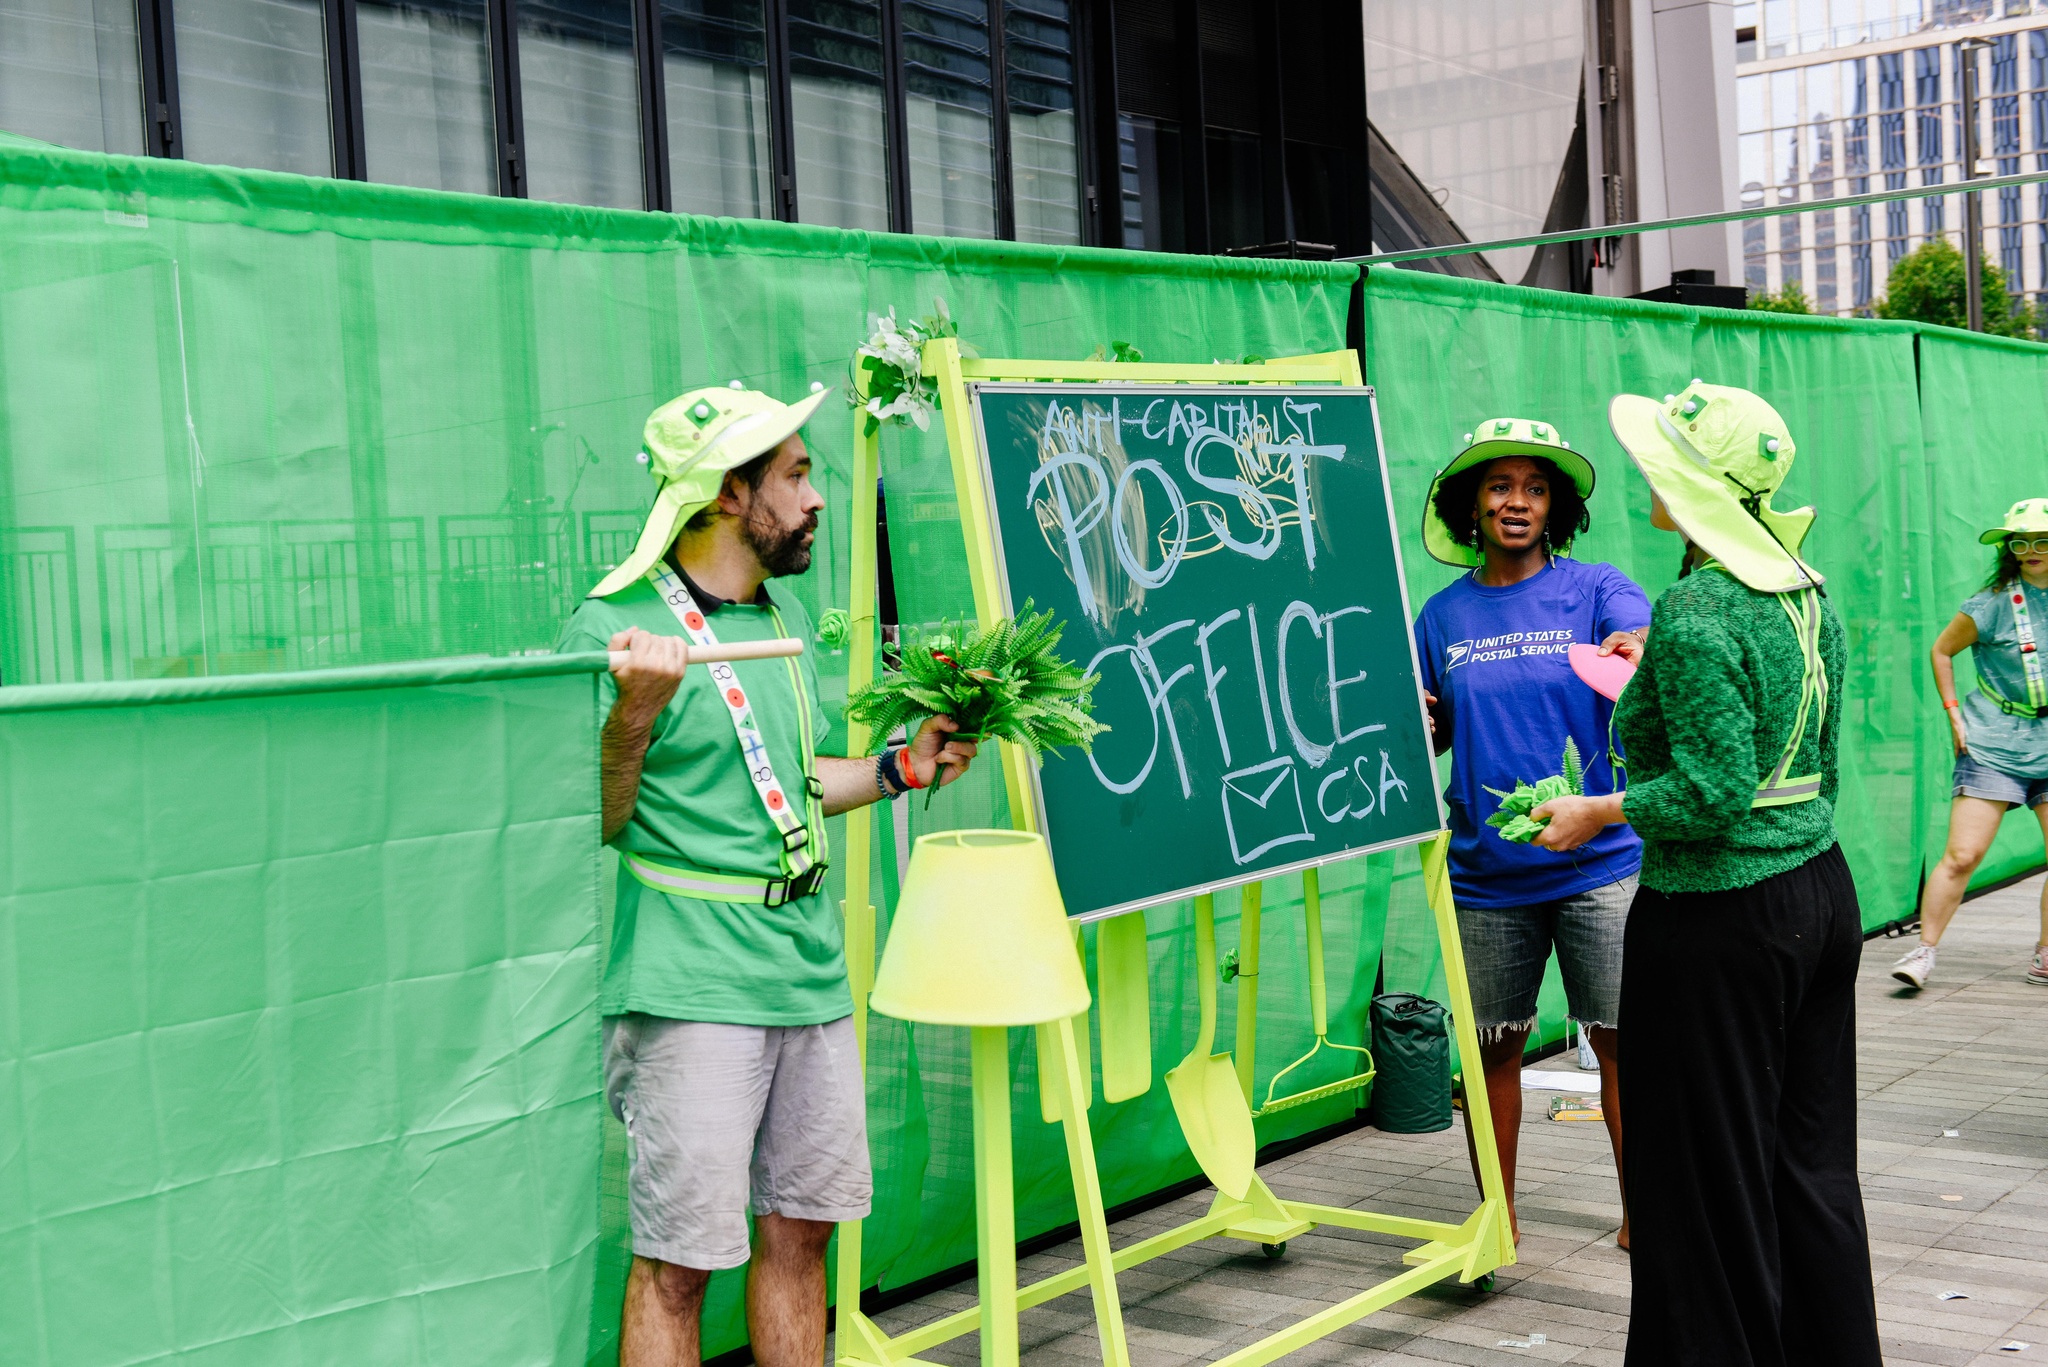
point(1490, 440)
point(2028, 517)
point(1715, 455)
point(690, 443)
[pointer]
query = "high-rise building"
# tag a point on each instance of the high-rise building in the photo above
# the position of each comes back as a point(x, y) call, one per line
point(1847, 97)
point(1499, 119)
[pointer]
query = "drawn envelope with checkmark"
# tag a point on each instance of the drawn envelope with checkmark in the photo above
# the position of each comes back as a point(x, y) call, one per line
point(1262, 808)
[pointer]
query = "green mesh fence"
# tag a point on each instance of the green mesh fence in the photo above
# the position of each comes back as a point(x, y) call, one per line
point(255, 422)
point(298, 1018)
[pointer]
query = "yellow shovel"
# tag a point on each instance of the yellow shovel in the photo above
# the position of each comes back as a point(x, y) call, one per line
point(1207, 1100)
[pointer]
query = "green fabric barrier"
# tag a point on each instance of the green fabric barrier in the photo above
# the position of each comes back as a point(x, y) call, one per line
point(1910, 439)
point(252, 422)
point(1989, 444)
point(298, 1032)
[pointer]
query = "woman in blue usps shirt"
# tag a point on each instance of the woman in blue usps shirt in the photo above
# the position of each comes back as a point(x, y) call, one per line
point(1503, 701)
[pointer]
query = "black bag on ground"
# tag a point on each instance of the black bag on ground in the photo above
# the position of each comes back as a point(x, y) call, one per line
point(1411, 1049)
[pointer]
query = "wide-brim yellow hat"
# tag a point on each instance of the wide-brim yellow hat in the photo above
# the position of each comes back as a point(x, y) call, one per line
point(2028, 517)
point(1715, 455)
point(1492, 440)
point(691, 442)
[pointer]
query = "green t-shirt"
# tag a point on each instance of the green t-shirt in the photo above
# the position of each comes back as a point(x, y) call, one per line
point(2015, 745)
point(681, 957)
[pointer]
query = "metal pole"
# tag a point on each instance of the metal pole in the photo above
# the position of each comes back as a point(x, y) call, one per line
point(1973, 201)
point(1801, 206)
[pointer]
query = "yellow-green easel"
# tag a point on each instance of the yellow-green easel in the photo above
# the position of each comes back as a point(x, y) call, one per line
point(1467, 1250)
point(1064, 1075)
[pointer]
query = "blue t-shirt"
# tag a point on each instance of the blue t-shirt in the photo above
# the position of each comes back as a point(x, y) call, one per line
point(1495, 659)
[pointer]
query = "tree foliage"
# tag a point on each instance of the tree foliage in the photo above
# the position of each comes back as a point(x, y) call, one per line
point(1927, 286)
point(1789, 298)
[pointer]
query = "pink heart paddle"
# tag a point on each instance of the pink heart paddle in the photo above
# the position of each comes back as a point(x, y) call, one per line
point(1606, 675)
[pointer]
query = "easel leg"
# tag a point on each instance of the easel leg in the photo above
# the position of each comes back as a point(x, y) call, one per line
point(1109, 1312)
point(855, 1333)
point(1251, 900)
point(1436, 878)
point(994, 1196)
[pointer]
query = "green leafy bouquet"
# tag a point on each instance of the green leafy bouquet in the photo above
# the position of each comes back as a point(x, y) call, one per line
point(1006, 682)
point(1513, 820)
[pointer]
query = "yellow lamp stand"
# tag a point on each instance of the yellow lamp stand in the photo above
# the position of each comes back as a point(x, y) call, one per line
point(980, 939)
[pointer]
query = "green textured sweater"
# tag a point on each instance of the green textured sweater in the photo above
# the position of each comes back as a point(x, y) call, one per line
point(1704, 721)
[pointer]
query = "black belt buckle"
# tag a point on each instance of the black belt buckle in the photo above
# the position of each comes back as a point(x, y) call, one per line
point(782, 891)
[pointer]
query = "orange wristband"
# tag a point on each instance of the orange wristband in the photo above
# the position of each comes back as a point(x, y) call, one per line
point(907, 769)
point(1951, 706)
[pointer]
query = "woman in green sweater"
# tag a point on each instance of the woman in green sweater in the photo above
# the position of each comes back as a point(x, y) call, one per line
point(1738, 1067)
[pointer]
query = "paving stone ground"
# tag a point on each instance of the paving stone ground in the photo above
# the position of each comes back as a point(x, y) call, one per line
point(1967, 1214)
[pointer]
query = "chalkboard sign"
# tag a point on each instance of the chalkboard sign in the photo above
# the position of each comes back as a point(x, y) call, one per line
point(1224, 557)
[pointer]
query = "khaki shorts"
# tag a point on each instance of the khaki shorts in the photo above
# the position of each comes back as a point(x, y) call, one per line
point(716, 1112)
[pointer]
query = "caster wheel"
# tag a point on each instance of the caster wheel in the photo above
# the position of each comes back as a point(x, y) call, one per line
point(1483, 1284)
point(1278, 1250)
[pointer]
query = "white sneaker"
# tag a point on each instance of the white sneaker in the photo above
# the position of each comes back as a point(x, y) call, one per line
point(1916, 965)
point(2038, 973)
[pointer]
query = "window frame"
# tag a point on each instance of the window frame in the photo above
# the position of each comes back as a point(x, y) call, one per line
point(1089, 32)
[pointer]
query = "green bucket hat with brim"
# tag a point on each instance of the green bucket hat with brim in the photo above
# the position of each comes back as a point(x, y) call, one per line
point(690, 443)
point(1491, 440)
point(1715, 455)
point(2028, 517)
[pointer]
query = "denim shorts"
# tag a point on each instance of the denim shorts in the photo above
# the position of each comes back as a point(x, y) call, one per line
point(1506, 949)
point(1996, 785)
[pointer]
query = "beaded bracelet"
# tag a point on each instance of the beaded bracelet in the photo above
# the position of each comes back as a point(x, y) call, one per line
point(891, 781)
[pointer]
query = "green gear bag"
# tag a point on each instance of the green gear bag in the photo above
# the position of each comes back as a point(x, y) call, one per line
point(1411, 1044)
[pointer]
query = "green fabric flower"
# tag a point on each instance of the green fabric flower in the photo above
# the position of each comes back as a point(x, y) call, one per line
point(1513, 820)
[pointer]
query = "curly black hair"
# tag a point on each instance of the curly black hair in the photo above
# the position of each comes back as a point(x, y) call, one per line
point(1458, 495)
point(2004, 569)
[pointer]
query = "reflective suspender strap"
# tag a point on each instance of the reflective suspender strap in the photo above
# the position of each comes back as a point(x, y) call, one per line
point(1779, 790)
point(2030, 656)
point(686, 882)
point(814, 791)
point(678, 880)
point(803, 839)
point(2007, 705)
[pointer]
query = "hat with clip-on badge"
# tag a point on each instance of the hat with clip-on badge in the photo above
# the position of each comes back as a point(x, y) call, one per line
point(1714, 455)
point(690, 444)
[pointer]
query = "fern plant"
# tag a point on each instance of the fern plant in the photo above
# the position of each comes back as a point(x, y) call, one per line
point(1513, 820)
point(1005, 682)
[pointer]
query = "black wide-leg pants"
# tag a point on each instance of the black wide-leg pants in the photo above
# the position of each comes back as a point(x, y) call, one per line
point(1738, 1082)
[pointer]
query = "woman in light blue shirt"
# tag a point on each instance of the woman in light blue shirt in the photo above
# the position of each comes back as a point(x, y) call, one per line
point(2001, 730)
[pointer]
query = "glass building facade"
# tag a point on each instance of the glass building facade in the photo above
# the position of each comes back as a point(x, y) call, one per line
point(1847, 97)
point(953, 117)
point(1212, 128)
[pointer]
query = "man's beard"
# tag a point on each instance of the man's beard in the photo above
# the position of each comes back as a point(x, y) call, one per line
point(781, 550)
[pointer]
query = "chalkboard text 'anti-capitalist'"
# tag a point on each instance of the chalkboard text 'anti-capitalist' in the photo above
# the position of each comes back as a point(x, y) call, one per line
point(1267, 448)
point(1255, 456)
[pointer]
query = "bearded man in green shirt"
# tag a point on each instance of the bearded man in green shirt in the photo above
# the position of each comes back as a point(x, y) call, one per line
point(729, 1045)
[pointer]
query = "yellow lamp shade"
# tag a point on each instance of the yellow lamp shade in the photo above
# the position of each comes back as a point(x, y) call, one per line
point(980, 936)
